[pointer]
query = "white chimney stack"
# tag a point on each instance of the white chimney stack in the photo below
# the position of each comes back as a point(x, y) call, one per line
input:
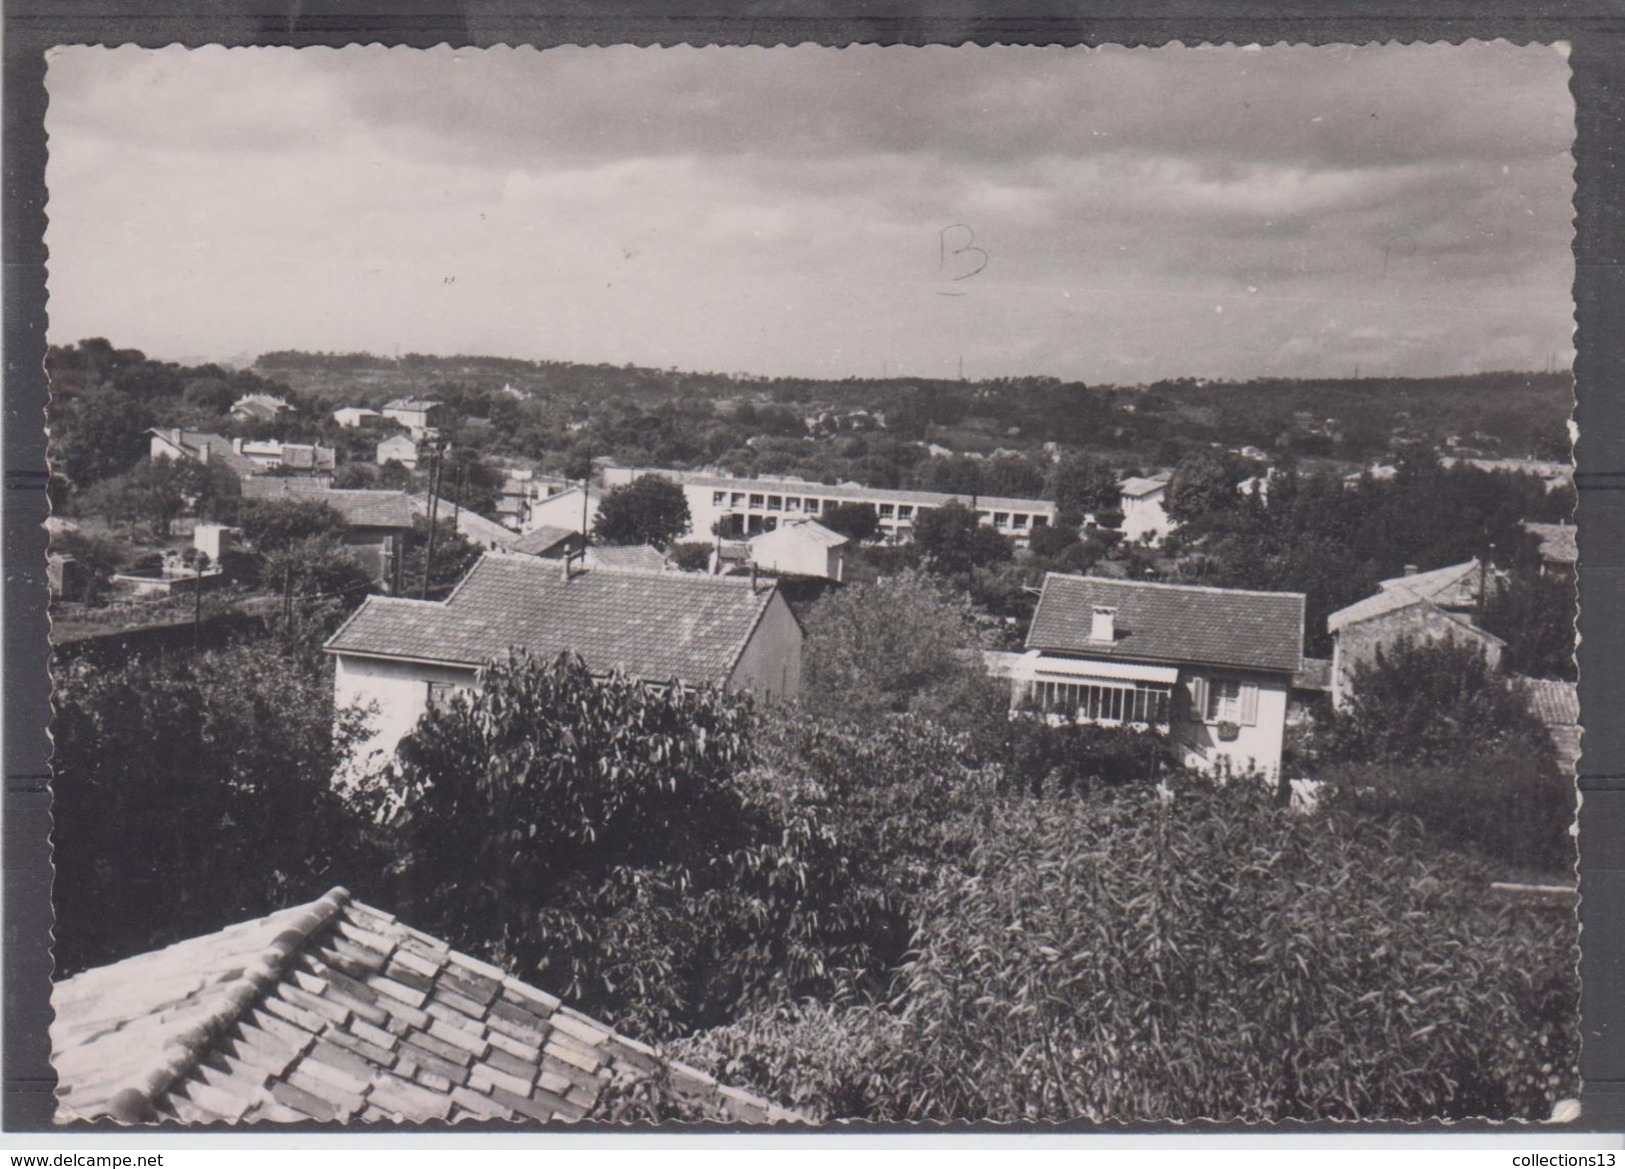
point(1103, 628)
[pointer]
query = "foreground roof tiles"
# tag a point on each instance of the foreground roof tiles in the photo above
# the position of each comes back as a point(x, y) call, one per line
point(335, 1011)
point(656, 626)
point(1171, 623)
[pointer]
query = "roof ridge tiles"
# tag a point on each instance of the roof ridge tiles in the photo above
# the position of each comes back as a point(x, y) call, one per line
point(135, 1103)
point(1175, 585)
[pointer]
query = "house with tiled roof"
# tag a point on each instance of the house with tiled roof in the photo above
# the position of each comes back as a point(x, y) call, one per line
point(1211, 667)
point(1559, 550)
point(200, 446)
point(400, 655)
point(549, 542)
point(1143, 501)
point(801, 547)
point(1557, 705)
point(470, 525)
point(335, 1011)
point(377, 524)
point(418, 415)
point(259, 407)
point(1437, 605)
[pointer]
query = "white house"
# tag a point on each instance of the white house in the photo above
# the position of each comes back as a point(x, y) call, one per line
point(1143, 503)
point(801, 547)
point(400, 449)
point(742, 508)
point(199, 446)
point(356, 417)
point(418, 415)
point(1211, 667)
point(260, 407)
point(403, 655)
point(565, 509)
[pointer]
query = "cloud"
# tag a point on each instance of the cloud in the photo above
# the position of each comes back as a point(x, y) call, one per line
point(782, 210)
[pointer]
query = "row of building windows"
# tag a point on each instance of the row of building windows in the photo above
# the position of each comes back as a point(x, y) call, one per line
point(888, 512)
point(1138, 703)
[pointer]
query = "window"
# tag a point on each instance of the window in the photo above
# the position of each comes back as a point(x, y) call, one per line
point(719, 498)
point(905, 511)
point(775, 503)
point(1224, 701)
point(792, 503)
point(1229, 700)
point(1102, 702)
point(887, 511)
point(737, 499)
point(1018, 522)
point(1001, 519)
point(1040, 521)
point(757, 500)
point(812, 507)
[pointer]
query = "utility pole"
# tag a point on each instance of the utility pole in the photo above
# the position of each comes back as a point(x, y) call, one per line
point(197, 600)
point(435, 454)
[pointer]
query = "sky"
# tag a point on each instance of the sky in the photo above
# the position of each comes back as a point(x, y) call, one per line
point(1110, 215)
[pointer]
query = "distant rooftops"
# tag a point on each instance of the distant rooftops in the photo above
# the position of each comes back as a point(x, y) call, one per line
point(360, 508)
point(1557, 542)
point(1171, 623)
point(1450, 587)
point(656, 626)
point(1138, 487)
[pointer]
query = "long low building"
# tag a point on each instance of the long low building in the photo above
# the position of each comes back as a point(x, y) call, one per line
point(741, 508)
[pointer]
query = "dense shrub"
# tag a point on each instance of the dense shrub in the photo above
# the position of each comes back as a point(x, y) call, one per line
point(1511, 805)
point(1119, 957)
point(192, 792)
point(1430, 702)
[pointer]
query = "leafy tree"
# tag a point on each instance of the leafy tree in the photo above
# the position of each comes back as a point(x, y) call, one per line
point(1080, 485)
point(1534, 615)
point(356, 475)
point(649, 510)
point(1204, 485)
point(1016, 476)
point(209, 396)
point(898, 645)
point(1052, 540)
point(98, 557)
point(691, 556)
point(454, 554)
point(157, 491)
point(1071, 967)
point(858, 522)
point(953, 541)
point(96, 435)
point(271, 525)
point(1430, 702)
point(189, 792)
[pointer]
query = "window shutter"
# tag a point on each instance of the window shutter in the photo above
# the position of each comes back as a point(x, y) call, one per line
point(1199, 691)
point(1249, 704)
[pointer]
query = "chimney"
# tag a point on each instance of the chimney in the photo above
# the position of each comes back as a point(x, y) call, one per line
point(1103, 626)
point(237, 445)
point(753, 576)
point(1410, 570)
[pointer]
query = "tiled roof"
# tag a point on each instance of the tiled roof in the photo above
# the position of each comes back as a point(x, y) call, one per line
point(1557, 543)
point(655, 626)
point(360, 509)
point(850, 491)
point(210, 448)
point(1136, 487)
point(809, 530)
point(1444, 586)
point(543, 539)
point(1555, 703)
point(335, 1011)
point(638, 557)
point(470, 524)
point(1172, 623)
point(412, 404)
